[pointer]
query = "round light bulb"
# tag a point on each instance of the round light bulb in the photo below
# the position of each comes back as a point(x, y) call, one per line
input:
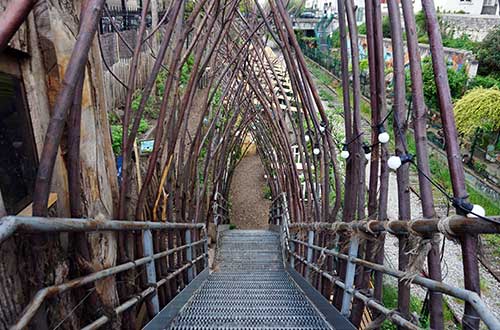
point(344, 154)
point(316, 151)
point(477, 209)
point(394, 162)
point(368, 156)
point(307, 138)
point(383, 137)
point(321, 129)
point(265, 176)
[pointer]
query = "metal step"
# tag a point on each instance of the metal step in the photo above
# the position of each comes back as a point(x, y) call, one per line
point(251, 290)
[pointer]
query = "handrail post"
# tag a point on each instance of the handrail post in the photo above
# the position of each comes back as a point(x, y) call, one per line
point(189, 254)
point(310, 243)
point(292, 256)
point(205, 247)
point(147, 243)
point(349, 277)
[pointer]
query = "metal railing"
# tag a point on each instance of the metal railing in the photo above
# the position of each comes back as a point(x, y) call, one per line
point(307, 257)
point(193, 260)
point(220, 207)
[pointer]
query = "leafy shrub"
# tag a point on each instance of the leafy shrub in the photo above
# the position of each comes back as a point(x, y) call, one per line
point(485, 82)
point(488, 54)
point(478, 109)
point(457, 81)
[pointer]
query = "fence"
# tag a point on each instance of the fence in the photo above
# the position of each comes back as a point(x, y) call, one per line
point(316, 251)
point(184, 257)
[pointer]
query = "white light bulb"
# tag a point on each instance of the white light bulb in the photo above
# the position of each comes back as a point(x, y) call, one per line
point(368, 156)
point(265, 176)
point(344, 154)
point(316, 151)
point(383, 137)
point(394, 162)
point(307, 138)
point(321, 129)
point(477, 209)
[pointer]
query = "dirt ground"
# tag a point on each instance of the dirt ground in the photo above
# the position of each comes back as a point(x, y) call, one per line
point(249, 208)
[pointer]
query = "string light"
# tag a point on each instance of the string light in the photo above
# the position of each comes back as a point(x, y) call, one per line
point(368, 151)
point(345, 153)
point(322, 127)
point(316, 150)
point(307, 137)
point(395, 162)
point(383, 136)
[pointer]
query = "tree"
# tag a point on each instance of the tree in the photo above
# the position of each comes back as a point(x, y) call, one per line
point(478, 109)
point(488, 54)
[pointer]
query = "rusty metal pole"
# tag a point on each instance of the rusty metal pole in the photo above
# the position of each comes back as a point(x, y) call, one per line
point(420, 132)
point(469, 242)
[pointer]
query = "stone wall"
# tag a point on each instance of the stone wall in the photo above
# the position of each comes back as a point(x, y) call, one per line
point(475, 26)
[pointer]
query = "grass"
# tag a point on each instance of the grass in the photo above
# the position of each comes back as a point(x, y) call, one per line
point(390, 300)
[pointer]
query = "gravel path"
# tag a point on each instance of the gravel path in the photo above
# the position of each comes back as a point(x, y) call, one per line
point(249, 209)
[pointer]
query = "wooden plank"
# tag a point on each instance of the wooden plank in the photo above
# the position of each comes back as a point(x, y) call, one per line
point(28, 210)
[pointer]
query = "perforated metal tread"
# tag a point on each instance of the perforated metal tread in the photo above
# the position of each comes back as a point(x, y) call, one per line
point(251, 290)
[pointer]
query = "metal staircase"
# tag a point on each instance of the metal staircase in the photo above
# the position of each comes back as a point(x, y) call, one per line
point(249, 290)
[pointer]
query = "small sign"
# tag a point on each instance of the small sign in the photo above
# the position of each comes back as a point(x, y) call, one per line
point(146, 146)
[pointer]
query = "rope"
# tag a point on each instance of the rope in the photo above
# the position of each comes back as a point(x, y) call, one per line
point(445, 229)
point(418, 255)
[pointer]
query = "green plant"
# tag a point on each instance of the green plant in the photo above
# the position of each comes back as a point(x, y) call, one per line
point(267, 194)
point(488, 54)
point(117, 132)
point(362, 28)
point(386, 27)
point(485, 82)
point(457, 81)
point(232, 226)
point(478, 109)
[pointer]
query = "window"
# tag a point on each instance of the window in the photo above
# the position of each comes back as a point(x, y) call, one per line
point(18, 159)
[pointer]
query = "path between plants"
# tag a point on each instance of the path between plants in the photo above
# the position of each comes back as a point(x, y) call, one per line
point(249, 208)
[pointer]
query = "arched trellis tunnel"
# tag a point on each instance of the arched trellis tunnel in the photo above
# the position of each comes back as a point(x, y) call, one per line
point(224, 71)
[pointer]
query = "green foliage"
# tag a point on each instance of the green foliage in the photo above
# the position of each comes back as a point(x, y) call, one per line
point(386, 27)
point(232, 226)
point(117, 132)
point(186, 69)
point(488, 54)
point(420, 23)
point(485, 82)
point(457, 81)
point(267, 194)
point(363, 65)
point(336, 38)
point(462, 42)
point(390, 301)
point(326, 95)
point(362, 29)
point(479, 108)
